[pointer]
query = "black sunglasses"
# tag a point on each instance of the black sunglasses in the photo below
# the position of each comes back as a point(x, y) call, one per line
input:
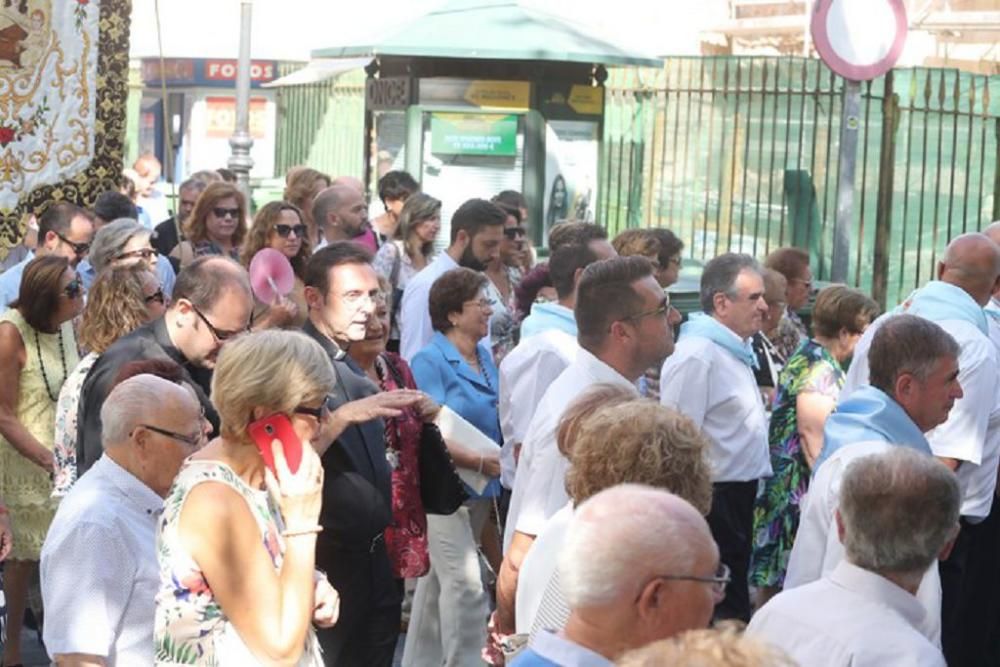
point(79, 249)
point(74, 288)
point(318, 413)
point(190, 440)
point(159, 296)
point(219, 334)
point(284, 230)
point(223, 212)
point(513, 232)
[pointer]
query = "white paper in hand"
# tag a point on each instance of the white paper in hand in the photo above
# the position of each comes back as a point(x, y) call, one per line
point(456, 429)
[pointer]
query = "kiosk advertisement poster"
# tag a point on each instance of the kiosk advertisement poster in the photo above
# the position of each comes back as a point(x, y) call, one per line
point(473, 134)
point(571, 152)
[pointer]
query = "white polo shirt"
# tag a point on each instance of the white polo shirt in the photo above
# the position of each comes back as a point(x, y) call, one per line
point(415, 329)
point(817, 550)
point(964, 436)
point(849, 618)
point(99, 570)
point(718, 392)
point(537, 568)
point(540, 485)
point(525, 373)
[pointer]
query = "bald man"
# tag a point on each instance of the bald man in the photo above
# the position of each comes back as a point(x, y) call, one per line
point(342, 214)
point(638, 565)
point(969, 441)
point(99, 567)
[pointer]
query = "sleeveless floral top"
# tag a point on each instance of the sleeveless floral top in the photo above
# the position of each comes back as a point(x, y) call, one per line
point(191, 628)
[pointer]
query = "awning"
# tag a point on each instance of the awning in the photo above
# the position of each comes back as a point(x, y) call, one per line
point(320, 69)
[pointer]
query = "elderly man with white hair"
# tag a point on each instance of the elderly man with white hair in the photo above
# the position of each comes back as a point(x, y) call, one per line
point(99, 569)
point(898, 514)
point(638, 564)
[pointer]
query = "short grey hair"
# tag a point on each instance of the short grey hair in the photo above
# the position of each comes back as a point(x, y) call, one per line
point(621, 537)
point(898, 509)
point(906, 344)
point(110, 239)
point(720, 275)
point(130, 403)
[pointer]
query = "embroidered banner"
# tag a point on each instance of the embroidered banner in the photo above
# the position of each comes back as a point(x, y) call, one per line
point(63, 75)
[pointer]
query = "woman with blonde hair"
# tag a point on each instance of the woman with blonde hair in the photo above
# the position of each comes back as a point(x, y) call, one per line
point(302, 184)
point(722, 646)
point(237, 543)
point(122, 299)
point(280, 225)
point(217, 225)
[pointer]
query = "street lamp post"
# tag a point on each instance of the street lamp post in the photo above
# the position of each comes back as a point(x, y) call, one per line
point(240, 161)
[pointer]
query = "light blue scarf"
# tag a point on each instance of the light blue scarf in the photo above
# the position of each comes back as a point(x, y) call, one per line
point(545, 316)
point(706, 326)
point(869, 414)
point(937, 301)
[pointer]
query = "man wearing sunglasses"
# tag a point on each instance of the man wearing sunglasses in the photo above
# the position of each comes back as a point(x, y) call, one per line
point(638, 565)
point(212, 304)
point(64, 230)
point(99, 568)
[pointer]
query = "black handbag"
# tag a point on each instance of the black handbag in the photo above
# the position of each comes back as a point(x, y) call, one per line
point(441, 489)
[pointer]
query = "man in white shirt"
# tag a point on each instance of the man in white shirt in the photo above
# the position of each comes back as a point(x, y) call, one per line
point(528, 370)
point(710, 379)
point(898, 514)
point(914, 384)
point(476, 233)
point(625, 325)
point(99, 568)
point(966, 278)
point(638, 565)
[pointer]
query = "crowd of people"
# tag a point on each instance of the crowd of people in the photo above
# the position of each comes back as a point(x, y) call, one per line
point(509, 459)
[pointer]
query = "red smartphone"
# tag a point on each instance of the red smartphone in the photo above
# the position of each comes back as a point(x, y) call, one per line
point(277, 427)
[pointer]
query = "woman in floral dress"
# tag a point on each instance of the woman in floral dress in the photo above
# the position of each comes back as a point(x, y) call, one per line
point(807, 392)
point(251, 534)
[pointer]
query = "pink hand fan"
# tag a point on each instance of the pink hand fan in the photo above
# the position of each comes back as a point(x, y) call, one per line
point(271, 275)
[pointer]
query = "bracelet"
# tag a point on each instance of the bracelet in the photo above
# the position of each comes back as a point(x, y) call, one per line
point(480, 470)
point(302, 531)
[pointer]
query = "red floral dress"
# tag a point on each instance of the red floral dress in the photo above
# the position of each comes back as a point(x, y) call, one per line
point(406, 539)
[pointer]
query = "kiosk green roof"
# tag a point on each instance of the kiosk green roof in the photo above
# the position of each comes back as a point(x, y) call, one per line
point(494, 30)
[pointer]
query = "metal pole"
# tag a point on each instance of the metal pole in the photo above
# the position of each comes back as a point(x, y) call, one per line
point(241, 141)
point(850, 123)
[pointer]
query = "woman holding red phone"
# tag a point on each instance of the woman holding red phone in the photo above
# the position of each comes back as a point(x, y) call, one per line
point(250, 531)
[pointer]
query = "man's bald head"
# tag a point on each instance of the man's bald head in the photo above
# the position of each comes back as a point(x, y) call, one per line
point(341, 211)
point(972, 262)
point(145, 398)
point(350, 182)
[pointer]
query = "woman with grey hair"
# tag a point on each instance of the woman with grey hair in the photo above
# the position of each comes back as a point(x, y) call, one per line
point(122, 243)
point(412, 249)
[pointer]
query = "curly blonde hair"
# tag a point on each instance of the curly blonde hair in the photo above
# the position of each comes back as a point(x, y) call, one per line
point(723, 646)
point(602, 394)
point(640, 442)
point(263, 224)
point(116, 304)
point(301, 188)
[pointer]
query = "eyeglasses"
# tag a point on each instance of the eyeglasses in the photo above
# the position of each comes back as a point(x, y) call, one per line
point(157, 296)
point(74, 288)
point(219, 334)
point(513, 232)
point(284, 230)
point(719, 582)
point(223, 212)
point(79, 249)
point(661, 310)
point(189, 440)
point(319, 413)
point(483, 303)
point(144, 253)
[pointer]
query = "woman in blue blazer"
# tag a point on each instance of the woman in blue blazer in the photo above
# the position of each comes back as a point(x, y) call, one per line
point(448, 623)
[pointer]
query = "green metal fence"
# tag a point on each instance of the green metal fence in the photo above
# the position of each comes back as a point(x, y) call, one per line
point(741, 153)
point(322, 125)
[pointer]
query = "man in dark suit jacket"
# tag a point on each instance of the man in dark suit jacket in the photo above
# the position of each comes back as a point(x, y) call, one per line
point(341, 290)
point(212, 303)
